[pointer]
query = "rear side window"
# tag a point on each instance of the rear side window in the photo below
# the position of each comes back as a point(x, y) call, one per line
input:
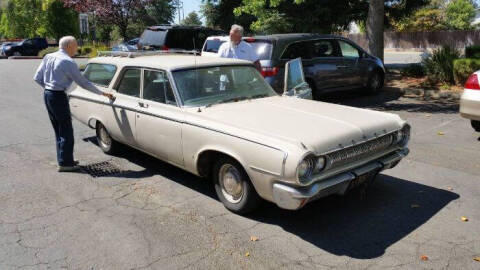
point(212, 45)
point(297, 49)
point(100, 74)
point(153, 37)
point(181, 39)
point(262, 49)
point(130, 83)
point(348, 50)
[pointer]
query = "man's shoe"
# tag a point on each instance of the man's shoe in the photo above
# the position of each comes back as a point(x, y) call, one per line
point(73, 168)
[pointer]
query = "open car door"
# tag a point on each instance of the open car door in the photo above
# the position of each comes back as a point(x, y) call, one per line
point(295, 84)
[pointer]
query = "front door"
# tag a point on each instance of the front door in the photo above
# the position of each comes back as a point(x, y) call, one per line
point(159, 119)
point(121, 115)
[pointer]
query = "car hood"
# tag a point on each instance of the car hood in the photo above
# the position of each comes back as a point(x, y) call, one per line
point(10, 44)
point(317, 126)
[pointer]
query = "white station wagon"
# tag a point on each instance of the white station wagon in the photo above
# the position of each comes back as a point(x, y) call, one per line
point(218, 118)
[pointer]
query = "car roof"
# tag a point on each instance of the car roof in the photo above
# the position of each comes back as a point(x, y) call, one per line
point(168, 62)
point(168, 27)
point(294, 36)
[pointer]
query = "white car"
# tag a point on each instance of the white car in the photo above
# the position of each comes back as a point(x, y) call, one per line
point(212, 44)
point(218, 118)
point(470, 101)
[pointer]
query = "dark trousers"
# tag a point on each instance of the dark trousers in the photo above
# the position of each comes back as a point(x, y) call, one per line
point(59, 112)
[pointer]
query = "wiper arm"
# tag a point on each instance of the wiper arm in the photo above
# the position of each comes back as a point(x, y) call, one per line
point(258, 96)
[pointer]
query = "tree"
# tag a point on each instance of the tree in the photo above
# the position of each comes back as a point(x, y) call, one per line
point(60, 21)
point(192, 19)
point(425, 19)
point(220, 14)
point(376, 13)
point(120, 13)
point(159, 12)
point(23, 18)
point(460, 14)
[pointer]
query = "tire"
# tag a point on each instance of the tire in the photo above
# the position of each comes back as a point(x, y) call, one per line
point(17, 54)
point(476, 125)
point(375, 82)
point(105, 141)
point(237, 195)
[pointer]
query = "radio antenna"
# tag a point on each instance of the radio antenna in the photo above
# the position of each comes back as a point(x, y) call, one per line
point(196, 70)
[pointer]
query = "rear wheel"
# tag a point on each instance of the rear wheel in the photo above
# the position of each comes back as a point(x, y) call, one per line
point(476, 125)
point(375, 82)
point(105, 141)
point(233, 186)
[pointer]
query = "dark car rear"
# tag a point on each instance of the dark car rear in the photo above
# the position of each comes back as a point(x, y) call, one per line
point(27, 47)
point(165, 37)
point(330, 63)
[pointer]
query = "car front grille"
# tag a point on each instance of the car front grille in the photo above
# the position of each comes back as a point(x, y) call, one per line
point(360, 151)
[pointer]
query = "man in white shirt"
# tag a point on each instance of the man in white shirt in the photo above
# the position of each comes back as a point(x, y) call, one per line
point(237, 48)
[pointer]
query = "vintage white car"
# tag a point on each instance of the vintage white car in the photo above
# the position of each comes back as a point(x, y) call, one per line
point(218, 118)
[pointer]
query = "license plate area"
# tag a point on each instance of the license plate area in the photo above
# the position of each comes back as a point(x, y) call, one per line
point(362, 179)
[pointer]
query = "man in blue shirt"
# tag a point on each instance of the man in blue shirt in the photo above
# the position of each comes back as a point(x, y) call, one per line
point(56, 74)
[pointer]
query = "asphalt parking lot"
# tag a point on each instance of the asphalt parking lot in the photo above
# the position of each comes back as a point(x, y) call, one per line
point(151, 215)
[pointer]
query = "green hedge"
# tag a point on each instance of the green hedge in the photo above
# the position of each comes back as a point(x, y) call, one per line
point(472, 52)
point(46, 51)
point(463, 68)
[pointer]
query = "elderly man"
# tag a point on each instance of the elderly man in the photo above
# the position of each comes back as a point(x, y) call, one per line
point(55, 74)
point(237, 48)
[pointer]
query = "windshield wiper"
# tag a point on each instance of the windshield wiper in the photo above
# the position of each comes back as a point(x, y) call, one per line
point(227, 100)
point(258, 96)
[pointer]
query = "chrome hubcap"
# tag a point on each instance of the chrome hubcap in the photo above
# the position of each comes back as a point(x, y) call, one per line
point(231, 183)
point(105, 139)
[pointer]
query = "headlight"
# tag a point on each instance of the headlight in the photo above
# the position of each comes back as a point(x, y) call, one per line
point(305, 169)
point(404, 135)
point(6, 48)
point(309, 166)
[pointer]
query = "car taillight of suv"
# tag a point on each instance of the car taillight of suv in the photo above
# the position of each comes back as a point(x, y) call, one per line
point(269, 71)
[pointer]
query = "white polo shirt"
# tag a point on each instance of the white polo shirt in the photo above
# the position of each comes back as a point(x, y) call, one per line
point(242, 51)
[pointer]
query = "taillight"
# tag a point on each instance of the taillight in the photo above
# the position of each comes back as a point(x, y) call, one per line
point(165, 48)
point(472, 82)
point(249, 39)
point(269, 71)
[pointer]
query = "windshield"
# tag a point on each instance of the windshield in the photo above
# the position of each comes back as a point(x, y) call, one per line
point(213, 85)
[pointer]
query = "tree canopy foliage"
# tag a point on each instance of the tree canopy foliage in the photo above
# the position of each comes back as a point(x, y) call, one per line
point(192, 19)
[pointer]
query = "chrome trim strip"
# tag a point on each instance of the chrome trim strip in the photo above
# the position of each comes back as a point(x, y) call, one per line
point(285, 154)
point(264, 171)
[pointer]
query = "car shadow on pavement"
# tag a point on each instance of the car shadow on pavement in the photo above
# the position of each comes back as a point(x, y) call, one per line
point(391, 101)
point(349, 225)
point(362, 228)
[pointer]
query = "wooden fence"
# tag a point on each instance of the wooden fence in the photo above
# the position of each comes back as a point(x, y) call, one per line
point(423, 40)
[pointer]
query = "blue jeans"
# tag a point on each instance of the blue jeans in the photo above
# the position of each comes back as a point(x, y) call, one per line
point(59, 112)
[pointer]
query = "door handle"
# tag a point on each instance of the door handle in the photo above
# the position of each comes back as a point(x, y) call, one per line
point(143, 105)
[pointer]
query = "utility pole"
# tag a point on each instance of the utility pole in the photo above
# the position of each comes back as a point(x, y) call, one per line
point(179, 7)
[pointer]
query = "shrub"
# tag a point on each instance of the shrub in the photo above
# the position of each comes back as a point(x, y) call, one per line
point(439, 65)
point(95, 50)
point(472, 52)
point(86, 50)
point(46, 51)
point(463, 68)
point(414, 70)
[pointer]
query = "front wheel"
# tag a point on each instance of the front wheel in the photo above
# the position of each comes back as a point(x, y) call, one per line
point(233, 186)
point(17, 54)
point(476, 125)
point(105, 141)
point(375, 82)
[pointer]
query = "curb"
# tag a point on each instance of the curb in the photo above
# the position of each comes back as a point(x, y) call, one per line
point(426, 94)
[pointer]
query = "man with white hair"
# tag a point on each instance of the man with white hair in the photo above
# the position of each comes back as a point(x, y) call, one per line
point(237, 48)
point(56, 74)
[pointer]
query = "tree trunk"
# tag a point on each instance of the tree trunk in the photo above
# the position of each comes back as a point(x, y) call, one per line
point(376, 13)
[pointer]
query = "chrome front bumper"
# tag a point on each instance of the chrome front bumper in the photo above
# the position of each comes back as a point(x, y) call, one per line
point(294, 198)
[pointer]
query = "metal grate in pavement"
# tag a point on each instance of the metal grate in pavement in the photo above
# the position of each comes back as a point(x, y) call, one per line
point(100, 169)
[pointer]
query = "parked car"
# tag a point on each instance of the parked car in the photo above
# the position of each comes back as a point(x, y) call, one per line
point(331, 63)
point(129, 46)
point(218, 118)
point(212, 44)
point(27, 47)
point(470, 101)
point(165, 37)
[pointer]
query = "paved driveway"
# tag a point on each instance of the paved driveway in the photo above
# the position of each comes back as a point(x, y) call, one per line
point(151, 215)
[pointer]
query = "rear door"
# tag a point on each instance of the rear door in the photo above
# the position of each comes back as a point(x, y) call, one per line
point(351, 68)
point(121, 117)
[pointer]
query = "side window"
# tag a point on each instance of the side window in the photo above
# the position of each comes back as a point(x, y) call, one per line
point(323, 48)
point(100, 74)
point(297, 49)
point(156, 87)
point(348, 50)
point(130, 83)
